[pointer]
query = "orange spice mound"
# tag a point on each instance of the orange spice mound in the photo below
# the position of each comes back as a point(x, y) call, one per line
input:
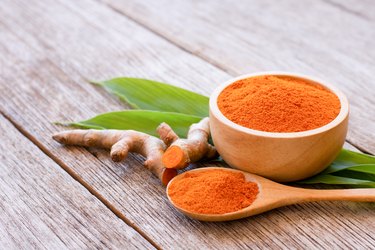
point(278, 104)
point(213, 192)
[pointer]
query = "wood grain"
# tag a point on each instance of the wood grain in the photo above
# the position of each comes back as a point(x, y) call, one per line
point(48, 50)
point(41, 206)
point(364, 9)
point(332, 40)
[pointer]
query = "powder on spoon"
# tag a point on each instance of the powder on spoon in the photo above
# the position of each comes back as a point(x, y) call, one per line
point(213, 191)
point(278, 104)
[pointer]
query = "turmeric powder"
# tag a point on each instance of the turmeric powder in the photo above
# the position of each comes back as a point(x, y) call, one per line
point(278, 104)
point(213, 191)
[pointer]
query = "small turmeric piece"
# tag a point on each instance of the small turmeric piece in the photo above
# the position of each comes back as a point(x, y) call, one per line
point(121, 142)
point(182, 152)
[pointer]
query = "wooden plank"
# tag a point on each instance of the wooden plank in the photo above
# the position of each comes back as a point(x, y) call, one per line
point(41, 206)
point(53, 47)
point(317, 38)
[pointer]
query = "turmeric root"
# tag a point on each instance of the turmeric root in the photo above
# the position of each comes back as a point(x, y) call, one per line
point(121, 142)
point(182, 152)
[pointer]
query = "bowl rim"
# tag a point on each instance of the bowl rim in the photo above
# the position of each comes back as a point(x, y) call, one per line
point(344, 110)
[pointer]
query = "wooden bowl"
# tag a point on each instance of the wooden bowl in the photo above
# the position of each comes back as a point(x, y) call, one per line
point(282, 157)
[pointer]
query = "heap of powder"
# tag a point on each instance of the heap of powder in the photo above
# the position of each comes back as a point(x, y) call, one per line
point(213, 192)
point(278, 104)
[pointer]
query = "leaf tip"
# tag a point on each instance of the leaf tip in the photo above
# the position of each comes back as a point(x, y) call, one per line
point(94, 82)
point(64, 124)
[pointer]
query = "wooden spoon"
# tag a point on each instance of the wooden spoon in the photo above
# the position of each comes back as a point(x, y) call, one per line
point(273, 195)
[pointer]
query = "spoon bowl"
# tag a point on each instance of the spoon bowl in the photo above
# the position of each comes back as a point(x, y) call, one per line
point(273, 195)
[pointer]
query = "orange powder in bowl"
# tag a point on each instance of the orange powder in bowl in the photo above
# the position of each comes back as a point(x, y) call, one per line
point(274, 103)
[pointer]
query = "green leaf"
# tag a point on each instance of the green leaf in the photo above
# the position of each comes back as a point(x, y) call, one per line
point(141, 120)
point(347, 159)
point(370, 168)
point(350, 157)
point(364, 168)
point(152, 95)
point(356, 175)
point(349, 168)
point(336, 180)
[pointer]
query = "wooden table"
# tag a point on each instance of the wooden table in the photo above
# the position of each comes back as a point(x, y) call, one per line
point(68, 197)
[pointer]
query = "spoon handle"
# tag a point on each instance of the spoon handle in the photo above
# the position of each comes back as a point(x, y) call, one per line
point(360, 194)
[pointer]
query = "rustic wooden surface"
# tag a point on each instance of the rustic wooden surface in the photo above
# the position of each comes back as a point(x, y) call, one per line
point(50, 48)
point(327, 39)
point(42, 206)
